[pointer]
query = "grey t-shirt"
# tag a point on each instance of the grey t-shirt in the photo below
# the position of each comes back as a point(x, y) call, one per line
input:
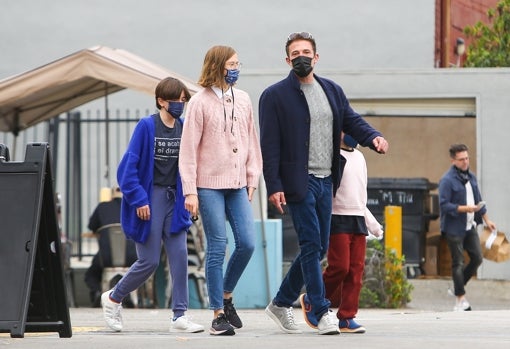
point(321, 126)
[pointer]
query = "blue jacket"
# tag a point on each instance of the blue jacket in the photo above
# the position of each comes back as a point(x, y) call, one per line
point(452, 193)
point(135, 177)
point(284, 120)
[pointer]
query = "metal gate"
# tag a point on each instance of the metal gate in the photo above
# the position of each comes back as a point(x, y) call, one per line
point(86, 147)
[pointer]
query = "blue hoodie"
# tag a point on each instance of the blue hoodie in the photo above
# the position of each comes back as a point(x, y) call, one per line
point(135, 177)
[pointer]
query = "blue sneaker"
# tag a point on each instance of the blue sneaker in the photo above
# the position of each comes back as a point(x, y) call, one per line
point(350, 326)
point(308, 314)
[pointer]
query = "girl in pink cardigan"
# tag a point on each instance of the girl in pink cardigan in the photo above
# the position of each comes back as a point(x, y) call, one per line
point(220, 163)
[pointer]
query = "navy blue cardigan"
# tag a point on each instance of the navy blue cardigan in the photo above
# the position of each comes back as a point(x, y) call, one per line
point(284, 120)
point(135, 177)
point(452, 193)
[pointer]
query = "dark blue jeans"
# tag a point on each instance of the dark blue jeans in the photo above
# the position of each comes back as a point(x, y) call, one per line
point(471, 244)
point(312, 221)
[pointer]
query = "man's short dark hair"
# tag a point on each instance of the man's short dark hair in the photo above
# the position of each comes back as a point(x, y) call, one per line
point(457, 148)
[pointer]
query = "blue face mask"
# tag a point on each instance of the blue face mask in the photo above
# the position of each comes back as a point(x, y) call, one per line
point(175, 109)
point(232, 76)
point(349, 141)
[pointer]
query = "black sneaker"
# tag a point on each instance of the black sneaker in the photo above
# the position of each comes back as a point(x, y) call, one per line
point(221, 327)
point(231, 314)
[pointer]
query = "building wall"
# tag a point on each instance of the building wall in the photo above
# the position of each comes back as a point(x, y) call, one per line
point(460, 14)
point(489, 87)
point(176, 34)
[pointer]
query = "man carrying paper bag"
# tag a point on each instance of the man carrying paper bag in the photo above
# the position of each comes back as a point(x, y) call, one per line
point(462, 209)
point(495, 245)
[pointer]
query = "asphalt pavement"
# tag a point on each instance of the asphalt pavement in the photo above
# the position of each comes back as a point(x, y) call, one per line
point(427, 322)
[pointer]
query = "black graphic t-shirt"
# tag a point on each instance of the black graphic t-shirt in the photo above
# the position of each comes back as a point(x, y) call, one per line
point(167, 142)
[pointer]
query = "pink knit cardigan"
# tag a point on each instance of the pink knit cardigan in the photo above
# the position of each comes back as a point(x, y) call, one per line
point(218, 150)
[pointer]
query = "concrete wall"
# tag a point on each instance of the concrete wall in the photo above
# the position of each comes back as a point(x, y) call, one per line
point(176, 34)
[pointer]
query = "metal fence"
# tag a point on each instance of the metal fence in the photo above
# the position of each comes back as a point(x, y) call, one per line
point(86, 147)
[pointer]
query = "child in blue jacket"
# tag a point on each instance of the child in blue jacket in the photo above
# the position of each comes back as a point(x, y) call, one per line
point(152, 210)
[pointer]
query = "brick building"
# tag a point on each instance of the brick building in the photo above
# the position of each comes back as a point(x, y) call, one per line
point(452, 16)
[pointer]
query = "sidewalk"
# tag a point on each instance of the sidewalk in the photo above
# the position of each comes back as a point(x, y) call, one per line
point(431, 294)
point(427, 322)
point(385, 329)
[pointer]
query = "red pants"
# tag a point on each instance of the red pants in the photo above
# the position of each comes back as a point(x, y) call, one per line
point(344, 274)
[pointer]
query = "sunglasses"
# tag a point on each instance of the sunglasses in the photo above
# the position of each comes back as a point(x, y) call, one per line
point(299, 35)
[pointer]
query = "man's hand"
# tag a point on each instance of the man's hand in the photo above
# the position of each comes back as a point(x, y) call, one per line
point(472, 208)
point(278, 200)
point(381, 145)
point(490, 224)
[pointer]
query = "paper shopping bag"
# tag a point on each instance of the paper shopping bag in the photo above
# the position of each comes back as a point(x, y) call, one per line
point(495, 245)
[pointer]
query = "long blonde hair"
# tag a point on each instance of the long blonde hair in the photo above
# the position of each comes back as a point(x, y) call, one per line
point(214, 66)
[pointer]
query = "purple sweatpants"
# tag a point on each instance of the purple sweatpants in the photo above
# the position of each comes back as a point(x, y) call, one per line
point(162, 206)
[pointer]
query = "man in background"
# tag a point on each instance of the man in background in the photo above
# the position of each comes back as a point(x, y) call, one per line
point(105, 213)
point(462, 209)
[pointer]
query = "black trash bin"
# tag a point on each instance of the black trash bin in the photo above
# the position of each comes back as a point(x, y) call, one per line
point(419, 207)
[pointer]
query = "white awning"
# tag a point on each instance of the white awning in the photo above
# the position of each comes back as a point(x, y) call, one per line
point(81, 77)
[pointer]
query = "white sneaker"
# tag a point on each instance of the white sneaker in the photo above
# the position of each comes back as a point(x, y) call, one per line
point(111, 312)
point(463, 305)
point(183, 324)
point(328, 324)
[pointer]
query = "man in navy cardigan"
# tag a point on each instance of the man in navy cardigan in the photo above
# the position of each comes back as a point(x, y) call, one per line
point(462, 210)
point(301, 118)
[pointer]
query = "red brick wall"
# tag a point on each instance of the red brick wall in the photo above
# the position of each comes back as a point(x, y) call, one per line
point(462, 14)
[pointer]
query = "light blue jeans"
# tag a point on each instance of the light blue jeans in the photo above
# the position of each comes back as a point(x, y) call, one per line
point(217, 205)
point(312, 222)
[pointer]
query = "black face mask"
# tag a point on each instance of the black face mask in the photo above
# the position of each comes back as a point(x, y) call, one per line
point(302, 66)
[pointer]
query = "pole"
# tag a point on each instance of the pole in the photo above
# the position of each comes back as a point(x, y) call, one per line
point(393, 219)
point(107, 135)
point(264, 243)
point(105, 193)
